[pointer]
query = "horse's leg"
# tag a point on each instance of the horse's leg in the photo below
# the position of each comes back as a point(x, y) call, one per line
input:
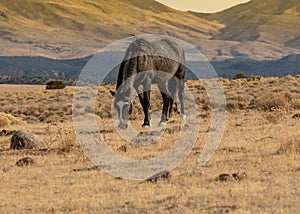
point(181, 98)
point(166, 103)
point(146, 106)
point(140, 95)
point(172, 86)
point(171, 105)
point(180, 88)
point(144, 97)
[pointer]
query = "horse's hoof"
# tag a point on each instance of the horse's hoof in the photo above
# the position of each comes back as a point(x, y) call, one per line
point(183, 116)
point(148, 125)
point(162, 123)
point(123, 126)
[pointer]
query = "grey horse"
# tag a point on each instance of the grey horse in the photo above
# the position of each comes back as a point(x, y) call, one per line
point(160, 61)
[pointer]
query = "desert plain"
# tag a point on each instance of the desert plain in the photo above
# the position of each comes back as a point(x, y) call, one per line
point(261, 143)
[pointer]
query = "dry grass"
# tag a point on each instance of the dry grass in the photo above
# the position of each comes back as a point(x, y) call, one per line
point(262, 143)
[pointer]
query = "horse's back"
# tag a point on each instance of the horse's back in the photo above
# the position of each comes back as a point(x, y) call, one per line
point(162, 54)
point(169, 48)
point(163, 47)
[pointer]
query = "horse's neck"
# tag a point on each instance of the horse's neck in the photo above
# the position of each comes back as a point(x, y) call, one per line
point(125, 85)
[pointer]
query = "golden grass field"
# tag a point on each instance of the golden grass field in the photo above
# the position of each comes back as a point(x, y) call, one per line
point(260, 139)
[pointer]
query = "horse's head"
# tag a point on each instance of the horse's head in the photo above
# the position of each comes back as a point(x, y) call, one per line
point(123, 106)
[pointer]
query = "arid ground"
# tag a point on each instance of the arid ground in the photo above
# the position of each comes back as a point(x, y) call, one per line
point(261, 143)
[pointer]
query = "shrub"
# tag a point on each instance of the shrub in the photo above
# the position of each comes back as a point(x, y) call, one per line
point(3, 14)
point(290, 147)
point(269, 101)
point(8, 119)
point(4, 121)
point(254, 78)
point(55, 84)
point(239, 76)
point(295, 103)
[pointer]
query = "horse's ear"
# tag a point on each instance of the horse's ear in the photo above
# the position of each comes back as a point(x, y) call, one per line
point(112, 93)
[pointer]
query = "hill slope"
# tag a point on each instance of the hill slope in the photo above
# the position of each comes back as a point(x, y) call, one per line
point(261, 20)
point(74, 28)
point(260, 29)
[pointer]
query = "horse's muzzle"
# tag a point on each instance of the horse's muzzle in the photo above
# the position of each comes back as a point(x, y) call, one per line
point(123, 126)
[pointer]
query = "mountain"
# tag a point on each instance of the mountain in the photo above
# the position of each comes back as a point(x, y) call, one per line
point(38, 70)
point(260, 29)
point(261, 20)
point(28, 66)
point(75, 28)
point(288, 65)
point(267, 28)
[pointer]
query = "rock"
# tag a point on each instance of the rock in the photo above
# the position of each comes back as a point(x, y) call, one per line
point(224, 177)
point(296, 116)
point(161, 175)
point(146, 137)
point(5, 132)
point(239, 176)
point(26, 140)
point(231, 177)
point(25, 161)
point(123, 148)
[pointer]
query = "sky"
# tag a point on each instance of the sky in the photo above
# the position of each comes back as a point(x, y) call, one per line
point(204, 6)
